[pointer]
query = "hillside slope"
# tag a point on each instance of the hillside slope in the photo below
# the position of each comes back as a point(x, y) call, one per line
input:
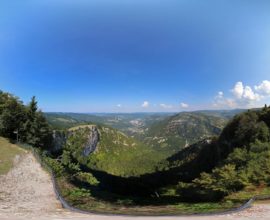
point(237, 160)
point(114, 152)
point(181, 130)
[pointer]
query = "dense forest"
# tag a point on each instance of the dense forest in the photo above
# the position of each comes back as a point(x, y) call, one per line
point(23, 122)
point(240, 158)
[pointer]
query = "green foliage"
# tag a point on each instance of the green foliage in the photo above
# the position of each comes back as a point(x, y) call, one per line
point(178, 131)
point(241, 168)
point(258, 167)
point(36, 127)
point(57, 167)
point(239, 158)
point(12, 115)
point(78, 193)
point(25, 121)
point(206, 171)
point(88, 178)
point(70, 164)
point(226, 179)
point(114, 204)
point(116, 153)
point(162, 132)
point(8, 152)
point(212, 186)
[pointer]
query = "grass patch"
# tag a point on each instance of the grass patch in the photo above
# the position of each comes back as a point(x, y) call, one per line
point(248, 193)
point(7, 153)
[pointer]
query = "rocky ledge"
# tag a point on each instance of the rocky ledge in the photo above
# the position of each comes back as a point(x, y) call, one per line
point(91, 135)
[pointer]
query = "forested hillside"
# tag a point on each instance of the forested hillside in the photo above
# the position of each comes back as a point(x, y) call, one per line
point(181, 130)
point(113, 152)
point(237, 159)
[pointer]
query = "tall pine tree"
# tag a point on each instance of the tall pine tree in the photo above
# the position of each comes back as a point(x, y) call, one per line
point(36, 128)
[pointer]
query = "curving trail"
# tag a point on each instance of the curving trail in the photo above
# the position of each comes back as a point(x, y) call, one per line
point(26, 192)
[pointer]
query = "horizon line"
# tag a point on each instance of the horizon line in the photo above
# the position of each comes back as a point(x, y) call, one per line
point(149, 111)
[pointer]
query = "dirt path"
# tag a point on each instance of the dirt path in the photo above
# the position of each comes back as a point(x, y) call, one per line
point(26, 192)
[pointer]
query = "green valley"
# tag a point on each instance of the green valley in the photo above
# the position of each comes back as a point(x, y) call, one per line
point(114, 152)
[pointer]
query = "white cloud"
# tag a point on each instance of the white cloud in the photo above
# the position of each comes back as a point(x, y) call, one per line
point(184, 105)
point(249, 95)
point(119, 106)
point(263, 88)
point(245, 93)
point(145, 104)
point(238, 90)
point(222, 102)
point(220, 94)
point(243, 96)
point(165, 106)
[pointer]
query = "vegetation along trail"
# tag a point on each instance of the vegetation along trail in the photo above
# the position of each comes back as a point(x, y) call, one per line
point(27, 193)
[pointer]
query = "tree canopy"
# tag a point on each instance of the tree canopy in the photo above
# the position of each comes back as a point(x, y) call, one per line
point(26, 121)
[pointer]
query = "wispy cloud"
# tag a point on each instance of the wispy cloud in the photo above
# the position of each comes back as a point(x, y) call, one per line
point(221, 102)
point(184, 105)
point(165, 106)
point(145, 104)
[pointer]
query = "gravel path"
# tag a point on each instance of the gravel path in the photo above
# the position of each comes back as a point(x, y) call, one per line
point(26, 192)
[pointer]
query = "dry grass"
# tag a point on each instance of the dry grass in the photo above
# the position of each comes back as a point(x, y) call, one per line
point(8, 152)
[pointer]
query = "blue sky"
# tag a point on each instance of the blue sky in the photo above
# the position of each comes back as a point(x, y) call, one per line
point(136, 55)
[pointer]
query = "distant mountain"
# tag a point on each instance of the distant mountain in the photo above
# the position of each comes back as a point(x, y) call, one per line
point(166, 133)
point(228, 114)
point(181, 130)
point(61, 120)
point(133, 124)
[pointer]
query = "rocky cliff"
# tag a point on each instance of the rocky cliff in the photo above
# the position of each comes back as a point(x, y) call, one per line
point(59, 140)
point(90, 139)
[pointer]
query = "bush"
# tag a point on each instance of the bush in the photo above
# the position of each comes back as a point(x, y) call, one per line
point(56, 167)
point(88, 178)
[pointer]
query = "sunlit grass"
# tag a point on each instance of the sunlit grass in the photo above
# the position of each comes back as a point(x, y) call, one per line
point(8, 152)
